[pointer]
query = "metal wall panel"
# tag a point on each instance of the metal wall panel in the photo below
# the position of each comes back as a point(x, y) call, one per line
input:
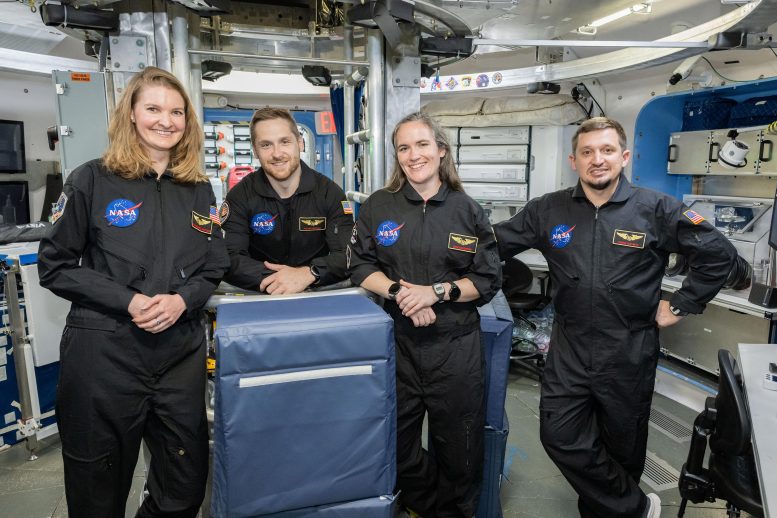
point(515, 154)
point(689, 152)
point(497, 191)
point(492, 172)
point(498, 135)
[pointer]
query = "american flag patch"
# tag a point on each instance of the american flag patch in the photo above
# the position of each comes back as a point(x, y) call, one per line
point(694, 216)
point(347, 207)
point(214, 215)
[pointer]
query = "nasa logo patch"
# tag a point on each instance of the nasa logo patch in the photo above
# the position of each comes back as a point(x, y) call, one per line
point(122, 213)
point(561, 235)
point(388, 232)
point(263, 223)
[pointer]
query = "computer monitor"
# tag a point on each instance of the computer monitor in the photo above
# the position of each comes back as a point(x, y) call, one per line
point(14, 203)
point(12, 159)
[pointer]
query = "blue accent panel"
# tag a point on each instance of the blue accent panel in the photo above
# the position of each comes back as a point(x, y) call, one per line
point(310, 440)
point(686, 379)
point(217, 115)
point(663, 115)
point(494, 445)
point(28, 259)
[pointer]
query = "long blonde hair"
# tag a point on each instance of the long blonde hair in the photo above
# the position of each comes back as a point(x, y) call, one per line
point(447, 171)
point(126, 156)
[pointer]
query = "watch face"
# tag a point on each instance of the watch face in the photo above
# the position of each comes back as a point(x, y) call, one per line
point(439, 289)
point(455, 292)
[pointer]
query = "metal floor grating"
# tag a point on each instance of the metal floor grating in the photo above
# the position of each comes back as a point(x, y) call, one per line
point(671, 426)
point(658, 474)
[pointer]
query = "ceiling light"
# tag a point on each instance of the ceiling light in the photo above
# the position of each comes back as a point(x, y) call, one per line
point(640, 8)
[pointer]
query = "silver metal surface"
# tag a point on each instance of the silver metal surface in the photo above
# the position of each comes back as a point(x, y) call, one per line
point(195, 75)
point(349, 108)
point(658, 474)
point(375, 175)
point(180, 40)
point(218, 299)
point(311, 60)
point(510, 44)
point(22, 352)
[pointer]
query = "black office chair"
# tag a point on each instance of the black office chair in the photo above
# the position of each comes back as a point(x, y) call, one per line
point(517, 279)
point(730, 474)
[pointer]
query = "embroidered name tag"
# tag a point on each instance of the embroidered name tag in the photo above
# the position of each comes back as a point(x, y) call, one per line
point(202, 223)
point(462, 243)
point(628, 238)
point(312, 224)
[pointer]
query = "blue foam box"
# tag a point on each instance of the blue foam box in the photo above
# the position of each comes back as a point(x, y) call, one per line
point(379, 507)
point(495, 443)
point(496, 326)
point(305, 405)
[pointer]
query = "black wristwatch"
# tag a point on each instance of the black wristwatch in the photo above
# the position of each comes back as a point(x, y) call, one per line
point(316, 274)
point(393, 290)
point(677, 311)
point(439, 290)
point(454, 293)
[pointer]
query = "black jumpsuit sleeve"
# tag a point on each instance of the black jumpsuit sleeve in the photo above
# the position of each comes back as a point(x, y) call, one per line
point(199, 287)
point(485, 272)
point(710, 257)
point(244, 271)
point(59, 254)
point(519, 233)
point(332, 266)
point(361, 252)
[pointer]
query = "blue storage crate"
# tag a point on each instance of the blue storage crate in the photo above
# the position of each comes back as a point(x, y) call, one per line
point(379, 507)
point(305, 405)
point(496, 326)
point(495, 443)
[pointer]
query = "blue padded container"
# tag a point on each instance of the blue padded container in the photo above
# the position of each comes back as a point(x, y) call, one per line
point(379, 507)
point(495, 443)
point(707, 113)
point(305, 405)
point(757, 111)
point(496, 326)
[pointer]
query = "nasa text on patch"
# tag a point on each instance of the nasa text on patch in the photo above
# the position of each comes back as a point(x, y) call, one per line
point(388, 232)
point(462, 243)
point(122, 213)
point(202, 223)
point(263, 223)
point(312, 223)
point(628, 238)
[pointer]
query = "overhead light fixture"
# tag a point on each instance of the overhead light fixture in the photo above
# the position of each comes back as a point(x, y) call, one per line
point(592, 28)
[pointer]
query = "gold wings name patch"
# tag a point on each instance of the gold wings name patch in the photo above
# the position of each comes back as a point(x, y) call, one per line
point(202, 223)
point(312, 223)
point(463, 243)
point(628, 238)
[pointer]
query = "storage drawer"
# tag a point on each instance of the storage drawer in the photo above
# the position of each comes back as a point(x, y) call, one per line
point(494, 154)
point(497, 191)
point(491, 136)
point(689, 152)
point(492, 172)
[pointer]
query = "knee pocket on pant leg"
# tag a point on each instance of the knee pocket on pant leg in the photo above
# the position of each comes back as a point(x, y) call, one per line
point(92, 482)
point(185, 476)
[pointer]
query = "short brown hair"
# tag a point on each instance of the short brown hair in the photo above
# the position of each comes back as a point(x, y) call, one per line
point(447, 171)
point(600, 123)
point(266, 114)
point(126, 156)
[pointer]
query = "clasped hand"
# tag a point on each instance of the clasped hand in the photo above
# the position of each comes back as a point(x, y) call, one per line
point(286, 279)
point(416, 303)
point(156, 314)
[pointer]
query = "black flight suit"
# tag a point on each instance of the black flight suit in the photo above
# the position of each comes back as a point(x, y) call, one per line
point(606, 267)
point(309, 228)
point(118, 383)
point(440, 367)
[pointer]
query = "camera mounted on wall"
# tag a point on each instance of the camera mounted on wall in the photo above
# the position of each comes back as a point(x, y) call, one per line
point(733, 154)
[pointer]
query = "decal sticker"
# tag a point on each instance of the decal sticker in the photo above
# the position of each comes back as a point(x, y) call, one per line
point(561, 235)
point(466, 81)
point(451, 83)
point(122, 213)
point(312, 223)
point(482, 81)
point(58, 209)
point(694, 216)
point(224, 212)
point(496, 78)
point(214, 215)
point(202, 223)
point(347, 207)
point(388, 232)
point(462, 243)
point(628, 238)
point(263, 223)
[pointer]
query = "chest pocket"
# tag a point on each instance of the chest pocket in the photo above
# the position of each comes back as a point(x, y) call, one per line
point(124, 264)
point(460, 250)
